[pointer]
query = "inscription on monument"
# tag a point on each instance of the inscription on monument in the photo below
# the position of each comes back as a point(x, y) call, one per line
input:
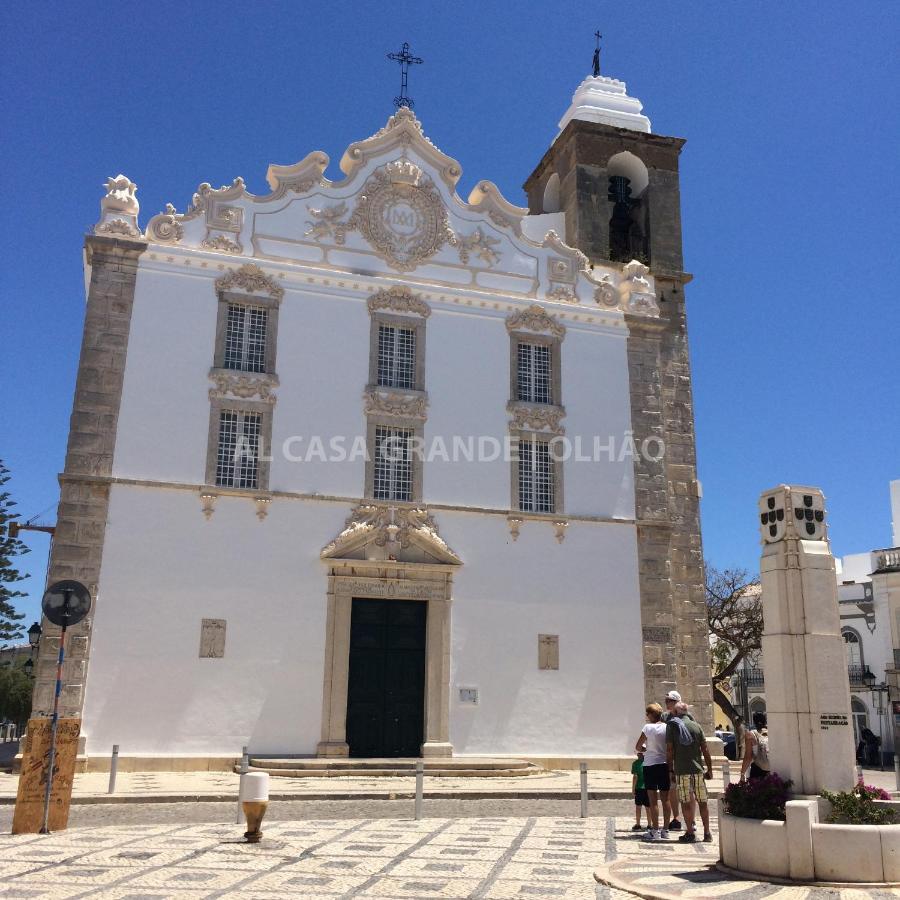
point(827, 720)
point(212, 638)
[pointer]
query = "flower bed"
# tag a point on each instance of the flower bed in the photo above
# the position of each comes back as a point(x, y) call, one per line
point(802, 848)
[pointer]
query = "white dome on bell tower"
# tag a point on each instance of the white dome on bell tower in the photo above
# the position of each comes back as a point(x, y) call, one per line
point(605, 100)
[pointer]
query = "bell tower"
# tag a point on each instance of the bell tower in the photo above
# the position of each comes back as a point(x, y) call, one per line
point(617, 184)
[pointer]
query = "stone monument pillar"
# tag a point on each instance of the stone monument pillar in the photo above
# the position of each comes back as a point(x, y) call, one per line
point(807, 690)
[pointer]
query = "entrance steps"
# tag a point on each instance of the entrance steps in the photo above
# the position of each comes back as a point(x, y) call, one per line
point(450, 767)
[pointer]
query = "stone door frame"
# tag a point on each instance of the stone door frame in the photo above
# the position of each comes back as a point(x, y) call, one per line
point(380, 580)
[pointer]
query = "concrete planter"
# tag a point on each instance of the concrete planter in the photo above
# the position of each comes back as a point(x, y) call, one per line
point(804, 849)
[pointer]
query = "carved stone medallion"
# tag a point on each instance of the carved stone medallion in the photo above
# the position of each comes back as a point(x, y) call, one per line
point(402, 216)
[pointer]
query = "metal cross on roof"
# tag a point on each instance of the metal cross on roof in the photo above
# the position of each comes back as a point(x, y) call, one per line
point(597, 54)
point(406, 59)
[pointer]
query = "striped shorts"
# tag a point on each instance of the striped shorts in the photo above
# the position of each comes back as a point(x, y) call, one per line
point(688, 785)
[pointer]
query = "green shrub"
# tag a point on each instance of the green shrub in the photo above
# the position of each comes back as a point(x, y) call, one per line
point(857, 807)
point(758, 798)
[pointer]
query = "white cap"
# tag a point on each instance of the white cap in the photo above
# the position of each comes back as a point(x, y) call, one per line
point(605, 100)
point(674, 695)
point(254, 787)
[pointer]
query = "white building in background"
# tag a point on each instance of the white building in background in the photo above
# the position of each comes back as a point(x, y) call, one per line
point(517, 574)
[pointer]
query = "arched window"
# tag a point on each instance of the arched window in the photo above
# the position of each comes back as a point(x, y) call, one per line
point(628, 180)
point(757, 705)
point(853, 648)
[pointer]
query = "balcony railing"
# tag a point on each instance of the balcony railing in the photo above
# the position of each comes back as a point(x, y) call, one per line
point(755, 679)
point(888, 560)
point(858, 675)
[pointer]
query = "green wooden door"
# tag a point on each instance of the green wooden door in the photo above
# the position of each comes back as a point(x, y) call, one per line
point(386, 689)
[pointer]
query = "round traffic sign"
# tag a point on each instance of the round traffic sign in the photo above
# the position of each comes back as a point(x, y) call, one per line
point(66, 602)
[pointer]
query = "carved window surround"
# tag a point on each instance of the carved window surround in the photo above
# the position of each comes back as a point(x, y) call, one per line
point(264, 408)
point(397, 407)
point(417, 427)
point(234, 389)
point(269, 303)
point(558, 486)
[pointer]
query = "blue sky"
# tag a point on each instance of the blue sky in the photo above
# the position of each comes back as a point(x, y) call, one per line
point(789, 192)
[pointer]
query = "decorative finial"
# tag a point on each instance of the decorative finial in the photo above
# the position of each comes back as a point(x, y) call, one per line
point(597, 55)
point(406, 59)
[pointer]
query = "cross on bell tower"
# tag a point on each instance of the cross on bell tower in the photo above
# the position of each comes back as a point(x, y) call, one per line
point(406, 59)
point(597, 54)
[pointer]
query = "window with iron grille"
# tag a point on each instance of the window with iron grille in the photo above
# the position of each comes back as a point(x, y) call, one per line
point(392, 464)
point(537, 476)
point(533, 381)
point(245, 338)
point(237, 456)
point(396, 356)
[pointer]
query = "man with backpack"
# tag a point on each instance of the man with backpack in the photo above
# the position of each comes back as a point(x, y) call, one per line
point(756, 749)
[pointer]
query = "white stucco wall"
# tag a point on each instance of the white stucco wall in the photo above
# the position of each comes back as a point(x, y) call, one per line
point(165, 568)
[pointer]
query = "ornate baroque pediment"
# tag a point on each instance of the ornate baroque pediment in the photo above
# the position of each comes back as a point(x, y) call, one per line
point(399, 298)
point(252, 279)
point(397, 533)
point(396, 212)
point(535, 318)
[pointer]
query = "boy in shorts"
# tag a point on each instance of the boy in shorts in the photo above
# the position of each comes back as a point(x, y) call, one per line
point(641, 800)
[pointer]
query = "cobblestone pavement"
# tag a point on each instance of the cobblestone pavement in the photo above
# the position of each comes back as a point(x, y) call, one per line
point(92, 785)
point(98, 815)
point(491, 857)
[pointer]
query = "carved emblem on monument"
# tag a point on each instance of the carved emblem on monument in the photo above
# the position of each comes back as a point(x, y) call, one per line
point(400, 213)
point(795, 510)
point(402, 216)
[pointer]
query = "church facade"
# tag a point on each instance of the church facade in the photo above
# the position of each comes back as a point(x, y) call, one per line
point(359, 467)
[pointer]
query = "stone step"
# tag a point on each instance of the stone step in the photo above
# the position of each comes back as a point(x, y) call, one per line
point(369, 768)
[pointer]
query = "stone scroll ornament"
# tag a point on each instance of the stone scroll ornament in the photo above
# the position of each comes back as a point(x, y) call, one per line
point(399, 212)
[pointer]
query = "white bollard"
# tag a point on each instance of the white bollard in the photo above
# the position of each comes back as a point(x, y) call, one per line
point(420, 778)
point(245, 765)
point(113, 769)
point(584, 790)
point(859, 775)
point(726, 775)
point(254, 798)
point(897, 770)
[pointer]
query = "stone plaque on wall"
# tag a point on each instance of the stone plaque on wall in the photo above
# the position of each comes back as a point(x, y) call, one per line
point(212, 638)
point(657, 634)
point(548, 651)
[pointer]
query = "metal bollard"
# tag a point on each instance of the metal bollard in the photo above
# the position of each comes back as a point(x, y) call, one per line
point(113, 769)
point(420, 778)
point(584, 790)
point(245, 766)
point(726, 775)
point(897, 770)
point(859, 775)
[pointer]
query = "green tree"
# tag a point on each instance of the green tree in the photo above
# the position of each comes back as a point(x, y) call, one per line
point(15, 694)
point(10, 548)
point(734, 612)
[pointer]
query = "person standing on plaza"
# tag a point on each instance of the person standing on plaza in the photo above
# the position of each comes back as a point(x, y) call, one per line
point(641, 801)
point(686, 753)
point(756, 749)
point(652, 744)
point(672, 698)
